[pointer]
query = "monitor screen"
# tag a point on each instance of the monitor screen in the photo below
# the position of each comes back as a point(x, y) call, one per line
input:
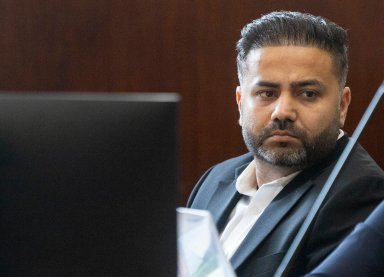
point(88, 184)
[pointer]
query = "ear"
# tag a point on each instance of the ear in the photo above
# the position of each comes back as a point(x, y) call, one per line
point(238, 101)
point(344, 104)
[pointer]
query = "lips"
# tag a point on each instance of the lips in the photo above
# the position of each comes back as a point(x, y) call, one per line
point(282, 134)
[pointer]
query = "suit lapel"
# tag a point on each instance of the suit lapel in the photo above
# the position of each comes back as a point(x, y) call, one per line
point(224, 200)
point(270, 218)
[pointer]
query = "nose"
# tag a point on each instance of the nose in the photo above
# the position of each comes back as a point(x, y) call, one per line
point(284, 109)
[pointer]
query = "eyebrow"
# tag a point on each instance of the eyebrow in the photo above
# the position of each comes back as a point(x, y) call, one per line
point(262, 83)
point(296, 84)
point(306, 83)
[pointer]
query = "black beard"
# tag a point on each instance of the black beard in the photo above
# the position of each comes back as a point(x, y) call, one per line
point(314, 149)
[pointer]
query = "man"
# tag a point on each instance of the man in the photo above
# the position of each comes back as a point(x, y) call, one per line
point(293, 102)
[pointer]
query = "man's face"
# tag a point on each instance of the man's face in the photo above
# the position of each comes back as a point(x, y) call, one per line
point(290, 104)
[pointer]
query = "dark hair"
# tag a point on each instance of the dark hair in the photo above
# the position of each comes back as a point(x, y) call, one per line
point(298, 29)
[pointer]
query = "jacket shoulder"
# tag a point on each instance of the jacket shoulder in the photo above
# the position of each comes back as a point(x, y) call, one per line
point(223, 172)
point(233, 163)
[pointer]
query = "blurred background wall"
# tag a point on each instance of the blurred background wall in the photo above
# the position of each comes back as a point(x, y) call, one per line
point(181, 46)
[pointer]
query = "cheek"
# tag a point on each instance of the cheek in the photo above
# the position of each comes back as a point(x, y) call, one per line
point(254, 120)
point(316, 123)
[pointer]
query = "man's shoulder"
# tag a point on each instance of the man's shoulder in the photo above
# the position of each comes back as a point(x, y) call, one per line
point(359, 162)
point(236, 162)
point(227, 170)
point(361, 165)
point(218, 176)
point(362, 157)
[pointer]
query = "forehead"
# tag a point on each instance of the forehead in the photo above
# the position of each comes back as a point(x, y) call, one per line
point(290, 61)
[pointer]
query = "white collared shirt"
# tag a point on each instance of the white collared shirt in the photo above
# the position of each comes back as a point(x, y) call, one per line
point(250, 207)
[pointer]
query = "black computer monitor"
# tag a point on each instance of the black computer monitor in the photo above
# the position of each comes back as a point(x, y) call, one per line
point(88, 184)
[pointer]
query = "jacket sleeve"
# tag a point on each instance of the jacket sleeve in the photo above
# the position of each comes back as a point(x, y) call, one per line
point(341, 212)
point(361, 253)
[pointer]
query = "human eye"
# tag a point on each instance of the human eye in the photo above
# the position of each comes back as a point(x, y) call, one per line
point(309, 95)
point(266, 94)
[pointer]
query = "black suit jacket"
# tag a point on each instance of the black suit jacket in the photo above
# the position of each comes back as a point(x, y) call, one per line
point(361, 253)
point(358, 189)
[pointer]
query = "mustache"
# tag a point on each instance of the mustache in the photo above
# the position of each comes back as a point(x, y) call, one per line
point(282, 125)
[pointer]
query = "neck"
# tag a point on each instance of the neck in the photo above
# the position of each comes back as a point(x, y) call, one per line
point(266, 172)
